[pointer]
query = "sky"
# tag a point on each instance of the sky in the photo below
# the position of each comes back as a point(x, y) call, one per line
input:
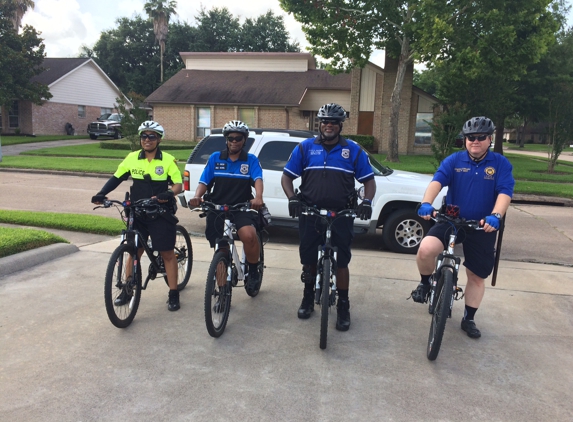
point(66, 25)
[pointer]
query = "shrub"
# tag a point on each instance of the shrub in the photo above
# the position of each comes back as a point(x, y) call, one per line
point(445, 129)
point(367, 141)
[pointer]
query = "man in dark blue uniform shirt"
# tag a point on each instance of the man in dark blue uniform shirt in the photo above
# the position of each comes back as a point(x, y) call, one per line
point(328, 166)
point(481, 184)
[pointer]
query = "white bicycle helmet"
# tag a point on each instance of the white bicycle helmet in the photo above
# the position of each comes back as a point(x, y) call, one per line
point(152, 126)
point(332, 111)
point(236, 126)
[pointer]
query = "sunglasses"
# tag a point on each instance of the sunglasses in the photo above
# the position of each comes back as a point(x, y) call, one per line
point(480, 138)
point(330, 121)
point(151, 137)
point(235, 138)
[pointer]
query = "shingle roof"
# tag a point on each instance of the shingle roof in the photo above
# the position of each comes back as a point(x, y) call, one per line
point(245, 88)
point(56, 68)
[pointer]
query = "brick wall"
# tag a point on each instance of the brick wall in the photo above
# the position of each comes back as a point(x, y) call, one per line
point(178, 121)
point(51, 118)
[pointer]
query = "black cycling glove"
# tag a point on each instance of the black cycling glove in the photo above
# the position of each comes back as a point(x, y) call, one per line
point(98, 198)
point(165, 196)
point(364, 211)
point(294, 207)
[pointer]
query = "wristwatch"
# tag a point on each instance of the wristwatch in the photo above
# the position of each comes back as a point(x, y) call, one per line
point(496, 214)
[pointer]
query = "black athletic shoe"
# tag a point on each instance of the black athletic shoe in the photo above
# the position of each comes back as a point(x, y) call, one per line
point(173, 301)
point(122, 299)
point(252, 285)
point(307, 305)
point(343, 315)
point(420, 295)
point(469, 326)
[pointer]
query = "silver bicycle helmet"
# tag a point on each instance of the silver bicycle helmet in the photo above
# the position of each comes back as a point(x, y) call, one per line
point(152, 126)
point(479, 124)
point(235, 126)
point(332, 111)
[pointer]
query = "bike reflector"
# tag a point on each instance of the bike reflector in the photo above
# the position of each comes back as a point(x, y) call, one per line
point(453, 210)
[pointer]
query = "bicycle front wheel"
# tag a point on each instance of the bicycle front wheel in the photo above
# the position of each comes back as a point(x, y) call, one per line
point(184, 255)
point(260, 267)
point(443, 302)
point(122, 291)
point(324, 302)
point(218, 294)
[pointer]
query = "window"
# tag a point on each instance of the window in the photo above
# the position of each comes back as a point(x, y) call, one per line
point(14, 115)
point(423, 130)
point(105, 110)
point(274, 155)
point(209, 145)
point(81, 111)
point(203, 121)
point(247, 115)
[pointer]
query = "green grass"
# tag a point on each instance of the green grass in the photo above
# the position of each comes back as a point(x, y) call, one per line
point(72, 222)
point(14, 140)
point(15, 240)
point(534, 148)
point(83, 165)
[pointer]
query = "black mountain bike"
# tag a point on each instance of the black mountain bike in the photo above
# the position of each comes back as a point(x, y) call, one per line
point(123, 276)
point(325, 287)
point(444, 282)
point(227, 269)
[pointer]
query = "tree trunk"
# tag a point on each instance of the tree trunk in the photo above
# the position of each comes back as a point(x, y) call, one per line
point(161, 58)
point(396, 102)
point(499, 136)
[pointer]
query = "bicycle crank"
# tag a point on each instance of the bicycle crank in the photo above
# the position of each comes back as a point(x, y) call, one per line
point(457, 292)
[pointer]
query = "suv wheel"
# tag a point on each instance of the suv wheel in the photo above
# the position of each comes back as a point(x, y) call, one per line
point(92, 136)
point(403, 231)
point(116, 134)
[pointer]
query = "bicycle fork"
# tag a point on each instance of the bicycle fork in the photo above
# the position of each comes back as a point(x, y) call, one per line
point(320, 281)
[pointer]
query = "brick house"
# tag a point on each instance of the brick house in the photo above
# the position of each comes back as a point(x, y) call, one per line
point(284, 91)
point(80, 90)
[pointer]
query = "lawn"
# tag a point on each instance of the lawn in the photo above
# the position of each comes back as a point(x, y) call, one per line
point(16, 240)
point(14, 140)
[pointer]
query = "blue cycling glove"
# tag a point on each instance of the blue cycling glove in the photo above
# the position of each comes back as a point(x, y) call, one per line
point(425, 209)
point(493, 221)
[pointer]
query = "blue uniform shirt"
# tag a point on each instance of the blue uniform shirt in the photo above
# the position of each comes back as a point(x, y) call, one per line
point(472, 186)
point(231, 181)
point(328, 176)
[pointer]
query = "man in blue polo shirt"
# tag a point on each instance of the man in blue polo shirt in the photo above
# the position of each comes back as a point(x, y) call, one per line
point(229, 176)
point(480, 182)
point(328, 165)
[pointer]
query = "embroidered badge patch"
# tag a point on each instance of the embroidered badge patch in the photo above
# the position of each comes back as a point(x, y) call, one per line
point(345, 153)
point(489, 172)
point(244, 169)
point(159, 170)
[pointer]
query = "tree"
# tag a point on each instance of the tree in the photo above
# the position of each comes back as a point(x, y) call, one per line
point(21, 58)
point(445, 129)
point(22, 7)
point(132, 117)
point(160, 11)
point(218, 30)
point(266, 33)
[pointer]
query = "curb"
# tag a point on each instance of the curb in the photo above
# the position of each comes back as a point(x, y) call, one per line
point(25, 260)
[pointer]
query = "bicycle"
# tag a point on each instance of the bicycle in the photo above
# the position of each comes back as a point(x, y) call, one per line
point(123, 263)
point(326, 265)
point(444, 282)
point(226, 269)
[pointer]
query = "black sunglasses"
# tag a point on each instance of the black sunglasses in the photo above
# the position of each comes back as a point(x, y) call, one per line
point(235, 138)
point(331, 121)
point(480, 138)
point(151, 137)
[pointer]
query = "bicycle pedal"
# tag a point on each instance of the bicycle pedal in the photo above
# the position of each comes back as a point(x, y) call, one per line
point(457, 292)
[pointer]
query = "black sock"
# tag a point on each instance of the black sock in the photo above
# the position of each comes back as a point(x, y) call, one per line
point(343, 294)
point(470, 313)
point(253, 268)
point(425, 279)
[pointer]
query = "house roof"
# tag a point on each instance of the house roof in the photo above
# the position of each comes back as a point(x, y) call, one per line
point(56, 68)
point(245, 87)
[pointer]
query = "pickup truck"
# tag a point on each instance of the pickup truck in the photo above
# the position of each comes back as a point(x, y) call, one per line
point(393, 209)
point(108, 124)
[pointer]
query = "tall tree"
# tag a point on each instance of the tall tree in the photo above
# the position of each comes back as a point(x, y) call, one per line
point(21, 58)
point(22, 7)
point(218, 30)
point(266, 33)
point(160, 11)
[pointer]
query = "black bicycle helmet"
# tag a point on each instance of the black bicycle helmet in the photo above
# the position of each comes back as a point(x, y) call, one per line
point(235, 126)
point(479, 124)
point(332, 111)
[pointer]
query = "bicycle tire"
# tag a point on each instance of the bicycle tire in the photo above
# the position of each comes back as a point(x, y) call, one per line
point(218, 294)
point(261, 266)
point(324, 302)
point(434, 290)
point(184, 255)
point(441, 313)
point(116, 281)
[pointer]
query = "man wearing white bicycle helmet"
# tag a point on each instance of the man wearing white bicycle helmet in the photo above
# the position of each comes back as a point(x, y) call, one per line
point(229, 176)
point(153, 172)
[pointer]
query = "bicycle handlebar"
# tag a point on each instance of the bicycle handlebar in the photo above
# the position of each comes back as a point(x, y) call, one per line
point(457, 221)
point(210, 206)
point(327, 214)
point(143, 203)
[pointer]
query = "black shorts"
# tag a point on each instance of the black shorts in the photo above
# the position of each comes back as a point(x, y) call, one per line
point(478, 246)
point(161, 230)
point(311, 231)
point(215, 223)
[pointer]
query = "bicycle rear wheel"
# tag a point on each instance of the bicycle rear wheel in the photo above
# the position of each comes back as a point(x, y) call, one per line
point(184, 255)
point(441, 313)
point(218, 293)
point(324, 302)
point(122, 293)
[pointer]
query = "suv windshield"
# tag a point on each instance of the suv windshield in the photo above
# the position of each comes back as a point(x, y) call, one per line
point(209, 145)
point(378, 168)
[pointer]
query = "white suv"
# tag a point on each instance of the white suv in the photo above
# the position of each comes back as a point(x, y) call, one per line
point(393, 208)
